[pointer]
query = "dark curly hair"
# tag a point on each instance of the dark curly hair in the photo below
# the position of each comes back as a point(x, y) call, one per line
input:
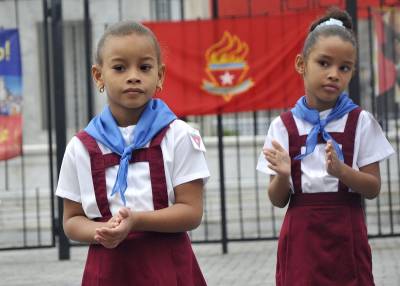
point(346, 33)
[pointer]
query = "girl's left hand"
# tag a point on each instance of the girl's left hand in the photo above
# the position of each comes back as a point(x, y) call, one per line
point(333, 164)
point(278, 159)
point(112, 237)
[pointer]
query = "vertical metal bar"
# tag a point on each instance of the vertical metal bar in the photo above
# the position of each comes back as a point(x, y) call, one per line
point(6, 181)
point(255, 156)
point(392, 49)
point(205, 221)
point(88, 59)
point(157, 8)
point(374, 110)
point(390, 196)
point(182, 10)
point(255, 132)
point(354, 86)
point(239, 176)
point(396, 116)
point(59, 100)
point(38, 225)
point(5, 178)
point(169, 9)
point(386, 95)
point(378, 206)
point(16, 13)
point(371, 56)
point(372, 78)
point(220, 134)
point(202, 123)
point(119, 10)
point(23, 188)
point(397, 143)
point(273, 220)
point(153, 10)
point(75, 95)
point(49, 115)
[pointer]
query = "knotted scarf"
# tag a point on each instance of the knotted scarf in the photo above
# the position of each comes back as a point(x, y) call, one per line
point(104, 129)
point(343, 106)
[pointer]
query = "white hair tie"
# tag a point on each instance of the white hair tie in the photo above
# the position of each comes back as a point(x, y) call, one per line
point(330, 22)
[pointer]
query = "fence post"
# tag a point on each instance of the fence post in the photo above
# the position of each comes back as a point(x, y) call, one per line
point(88, 59)
point(224, 237)
point(59, 105)
point(354, 86)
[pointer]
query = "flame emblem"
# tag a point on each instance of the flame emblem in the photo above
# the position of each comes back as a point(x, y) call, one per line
point(227, 67)
point(4, 134)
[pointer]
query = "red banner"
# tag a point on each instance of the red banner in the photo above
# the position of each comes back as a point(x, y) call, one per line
point(384, 49)
point(229, 8)
point(232, 65)
point(10, 136)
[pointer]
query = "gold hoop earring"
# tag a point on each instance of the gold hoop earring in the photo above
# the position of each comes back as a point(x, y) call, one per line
point(101, 89)
point(159, 88)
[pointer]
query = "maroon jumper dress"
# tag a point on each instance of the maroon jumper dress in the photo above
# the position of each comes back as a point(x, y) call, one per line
point(143, 258)
point(323, 239)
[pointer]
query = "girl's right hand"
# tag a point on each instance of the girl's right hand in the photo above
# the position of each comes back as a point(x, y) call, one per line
point(114, 221)
point(278, 158)
point(111, 237)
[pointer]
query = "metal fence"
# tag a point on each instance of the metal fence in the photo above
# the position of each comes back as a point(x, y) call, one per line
point(236, 207)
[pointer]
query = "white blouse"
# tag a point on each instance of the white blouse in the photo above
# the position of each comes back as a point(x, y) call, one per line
point(370, 146)
point(184, 161)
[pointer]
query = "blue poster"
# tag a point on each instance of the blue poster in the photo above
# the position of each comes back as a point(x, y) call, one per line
point(10, 72)
point(10, 94)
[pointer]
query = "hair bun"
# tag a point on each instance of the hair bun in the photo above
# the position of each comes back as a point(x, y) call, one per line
point(338, 14)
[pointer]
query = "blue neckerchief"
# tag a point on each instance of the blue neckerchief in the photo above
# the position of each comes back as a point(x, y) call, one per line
point(104, 129)
point(343, 106)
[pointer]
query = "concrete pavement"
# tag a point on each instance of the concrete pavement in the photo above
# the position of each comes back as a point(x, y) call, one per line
point(246, 264)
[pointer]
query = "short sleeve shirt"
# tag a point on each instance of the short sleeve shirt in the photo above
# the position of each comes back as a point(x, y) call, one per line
point(370, 146)
point(184, 161)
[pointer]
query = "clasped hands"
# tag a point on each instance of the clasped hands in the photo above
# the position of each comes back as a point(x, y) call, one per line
point(115, 230)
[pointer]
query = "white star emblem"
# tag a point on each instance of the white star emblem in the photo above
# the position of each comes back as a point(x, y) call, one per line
point(227, 78)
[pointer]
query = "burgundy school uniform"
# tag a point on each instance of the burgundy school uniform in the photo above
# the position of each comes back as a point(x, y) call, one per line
point(323, 239)
point(144, 258)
